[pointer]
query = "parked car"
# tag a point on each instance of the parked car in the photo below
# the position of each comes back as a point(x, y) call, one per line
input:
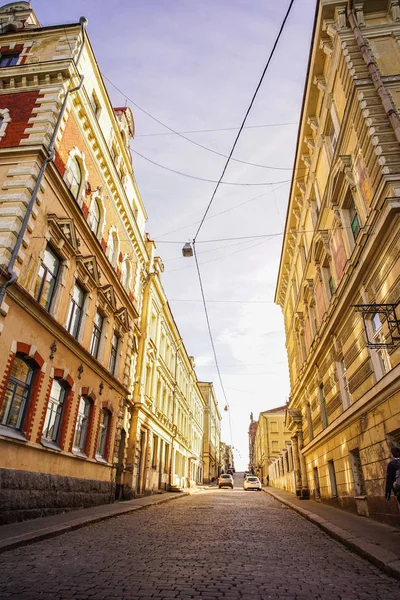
point(225, 480)
point(230, 472)
point(252, 483)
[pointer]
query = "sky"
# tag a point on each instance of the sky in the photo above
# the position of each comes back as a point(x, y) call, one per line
point(194, 66)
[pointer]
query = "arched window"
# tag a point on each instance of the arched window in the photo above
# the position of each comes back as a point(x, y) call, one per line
point(126, 274)
point(94, 217)
point(54, 411)
point(113, 248)
point(82, 421)
point(17, 394)
point(75, 177)
point(103, 433)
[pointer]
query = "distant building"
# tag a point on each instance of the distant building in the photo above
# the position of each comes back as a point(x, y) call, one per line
point(165, 442)
point(212, 433)
point(270, 439)
point(252, 436)
point(226, 457)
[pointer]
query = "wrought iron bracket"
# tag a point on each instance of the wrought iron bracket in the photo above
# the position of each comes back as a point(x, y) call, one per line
point(387, 314)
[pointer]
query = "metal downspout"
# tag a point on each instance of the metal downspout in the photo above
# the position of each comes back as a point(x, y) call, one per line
point(51, 152)
point(389, 107)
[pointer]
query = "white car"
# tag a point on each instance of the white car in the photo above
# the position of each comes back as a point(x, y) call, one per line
point(252, 483)
point(225, 480)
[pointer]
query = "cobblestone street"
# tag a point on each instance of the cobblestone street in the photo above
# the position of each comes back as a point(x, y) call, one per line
point(220, 544)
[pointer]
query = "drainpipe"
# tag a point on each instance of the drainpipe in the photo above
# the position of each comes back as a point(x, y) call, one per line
point(389, 107)
point(51, 153)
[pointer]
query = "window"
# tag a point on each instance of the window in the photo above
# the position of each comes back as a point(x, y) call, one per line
point(322, 405)
point(75, 177)
point(126, 274)
point(343, 383)
point(9, 59)
point(332, 479)
point(94, 217)
point(155, 452)
point(96, 335)
point(112, 248)
point(331, 285)
point(274, 427)
point(309, 422)
point(166, 458)
point(379, 338)
point(275, 446)
point(54, 412)
point(17, 394)
point(47, 278)
point(95, 104)
point(354, 221)
point(114, 353)
point(103, 433)
point(75, 311)
point(82, 424)
point(316, 483)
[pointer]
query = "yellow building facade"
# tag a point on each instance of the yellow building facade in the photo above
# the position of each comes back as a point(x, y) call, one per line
point(339, 274)
point(271, 437)
point(98, 395)
point(212, 433)
point(164, 451)
point(72, 252)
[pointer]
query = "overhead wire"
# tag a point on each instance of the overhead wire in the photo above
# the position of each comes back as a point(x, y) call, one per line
point(212, 342)
point(188, 139)
point(221, 212)
point(153, 162)
point(214, 130)
point(245, 117)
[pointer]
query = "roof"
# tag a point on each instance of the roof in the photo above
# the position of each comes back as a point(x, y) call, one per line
point(274, 410)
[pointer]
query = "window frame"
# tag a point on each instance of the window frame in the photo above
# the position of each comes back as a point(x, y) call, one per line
point(82, 423)
point(54, 282)
point(112, 363)
point(71, 311)
point(74, 183)
point(96, 335)
point(60, 403)
point(25, 396)
point(9, 55)
point(92, 218)
point(103, 433)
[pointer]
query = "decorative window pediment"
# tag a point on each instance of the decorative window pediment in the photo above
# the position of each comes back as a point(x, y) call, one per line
point(88, 271)
point(4, 121)
point(122, 319)
point(341, 179)
point(63, 235)
point(321, 246)
point(107, 297)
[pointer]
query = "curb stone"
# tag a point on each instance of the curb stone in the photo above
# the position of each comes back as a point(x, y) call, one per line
point(378, 556)
point(26, 539)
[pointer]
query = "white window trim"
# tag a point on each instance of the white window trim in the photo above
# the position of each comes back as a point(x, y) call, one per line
point(5, 114)
point(73, 154)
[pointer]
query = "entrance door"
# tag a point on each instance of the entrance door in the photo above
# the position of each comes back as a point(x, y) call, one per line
point(120, 466)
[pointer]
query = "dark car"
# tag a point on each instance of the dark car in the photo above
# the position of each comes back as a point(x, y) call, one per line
point(230, 472)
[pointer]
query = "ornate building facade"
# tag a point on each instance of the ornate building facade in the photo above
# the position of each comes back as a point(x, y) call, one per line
point(339, 275)
point(165, 445)
point(72, 251)
point(91, 407)
point(212, 433)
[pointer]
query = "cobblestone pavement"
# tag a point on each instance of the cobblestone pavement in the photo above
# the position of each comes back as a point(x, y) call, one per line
point(223, 544)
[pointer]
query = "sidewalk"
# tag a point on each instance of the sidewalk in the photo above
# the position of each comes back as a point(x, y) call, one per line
point(29, 532)
point(377, 542)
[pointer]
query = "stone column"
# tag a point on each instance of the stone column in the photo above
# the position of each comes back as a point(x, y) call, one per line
point(296, 464)
point(305, 493)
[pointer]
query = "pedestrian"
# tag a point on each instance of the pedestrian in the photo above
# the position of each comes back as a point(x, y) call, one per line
point(267, 480)
point(393, 476)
